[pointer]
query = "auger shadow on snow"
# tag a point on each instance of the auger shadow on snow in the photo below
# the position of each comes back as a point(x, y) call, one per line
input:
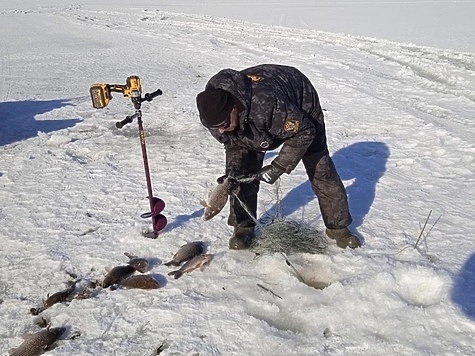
point(463, 290)
point(182, 219)
point(363, 162)
point(17, 119)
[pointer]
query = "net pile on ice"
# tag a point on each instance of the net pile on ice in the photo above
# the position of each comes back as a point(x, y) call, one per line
point(289, 237)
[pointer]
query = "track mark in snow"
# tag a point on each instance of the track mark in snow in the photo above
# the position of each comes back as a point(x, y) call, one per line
point(275, 316)
point(5, 71)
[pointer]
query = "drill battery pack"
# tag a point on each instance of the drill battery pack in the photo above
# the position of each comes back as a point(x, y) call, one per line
point(100, 95)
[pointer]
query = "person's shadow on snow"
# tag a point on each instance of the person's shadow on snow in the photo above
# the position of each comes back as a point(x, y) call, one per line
point(364, 163)
point(17, 119)
point(463, 291)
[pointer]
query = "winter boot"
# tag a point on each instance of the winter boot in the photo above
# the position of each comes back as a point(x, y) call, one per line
point(242, 238)
point(344, 238)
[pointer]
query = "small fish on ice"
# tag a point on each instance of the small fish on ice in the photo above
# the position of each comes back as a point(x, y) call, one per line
point(141, 281)
point(35, 344)
point(138, 263)
point(186, 253)
point(217, 199)
point(200, 261)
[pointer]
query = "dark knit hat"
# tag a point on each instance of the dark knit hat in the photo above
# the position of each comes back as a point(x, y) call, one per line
point(214, 106)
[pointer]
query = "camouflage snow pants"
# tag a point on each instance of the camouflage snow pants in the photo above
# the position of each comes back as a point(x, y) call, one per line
point(321, 172)
point(328, 188)
point(243, 162)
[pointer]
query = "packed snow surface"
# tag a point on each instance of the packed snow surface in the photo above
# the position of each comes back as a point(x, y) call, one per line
point(399, 110)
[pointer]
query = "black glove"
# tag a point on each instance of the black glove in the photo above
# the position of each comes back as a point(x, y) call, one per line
point(221, 179)
point(270, 173)
point(233, 183)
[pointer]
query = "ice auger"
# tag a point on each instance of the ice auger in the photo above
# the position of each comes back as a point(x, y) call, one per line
point(101, 96)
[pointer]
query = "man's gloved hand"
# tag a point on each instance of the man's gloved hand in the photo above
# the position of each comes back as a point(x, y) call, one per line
point(270, 173)
point(221, 179)
point(233, 183)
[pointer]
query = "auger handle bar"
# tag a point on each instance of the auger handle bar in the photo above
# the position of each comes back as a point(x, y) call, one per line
point(129, 119)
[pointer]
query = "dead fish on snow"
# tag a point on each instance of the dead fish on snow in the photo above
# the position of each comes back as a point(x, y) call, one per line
point(216, 201)
point(186, 252)
point(59, 297)
point(139, 264)
point(42, 322)
point(35, 344)
point(144, 281)
point(200, 261)
point(117, 274)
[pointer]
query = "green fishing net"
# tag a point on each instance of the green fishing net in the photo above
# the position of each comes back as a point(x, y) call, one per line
point(289, 237)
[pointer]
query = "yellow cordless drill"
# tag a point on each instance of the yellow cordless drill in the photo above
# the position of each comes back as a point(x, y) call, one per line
point(101, 92)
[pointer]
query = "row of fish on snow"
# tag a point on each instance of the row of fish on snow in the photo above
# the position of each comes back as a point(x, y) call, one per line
point(191, 254)
point(124, 276)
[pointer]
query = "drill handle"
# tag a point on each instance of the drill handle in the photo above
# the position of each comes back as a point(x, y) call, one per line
point(151, 96)
point(127, 120)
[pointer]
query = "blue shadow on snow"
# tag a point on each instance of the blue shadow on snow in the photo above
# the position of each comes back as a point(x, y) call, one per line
point(463, 291)
point(17, 119)
point(182, 219)
point(362, 162)
point(365, 164)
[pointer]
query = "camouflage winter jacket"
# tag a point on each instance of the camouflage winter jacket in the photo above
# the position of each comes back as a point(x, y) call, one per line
point(280, 107)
